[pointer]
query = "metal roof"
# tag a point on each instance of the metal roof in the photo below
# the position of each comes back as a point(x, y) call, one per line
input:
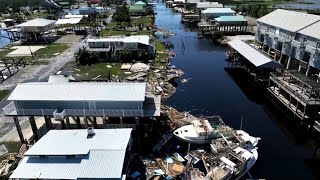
point(230, 18)
point(312, 31)
point(253, 55)
point(193, 1)
point(143, 39)
point(218, 10)
point(140, 3)
point(69, 16)
point(105, 158)
point(75, 142)
point(68, 21)
point(39, 22)
point(79, 91)
point(289, 20)
point(209, 5)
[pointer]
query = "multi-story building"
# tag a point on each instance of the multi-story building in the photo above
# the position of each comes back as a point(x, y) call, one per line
point(293, 38)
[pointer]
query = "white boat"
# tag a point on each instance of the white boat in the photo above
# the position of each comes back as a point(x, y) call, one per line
point(202, 131)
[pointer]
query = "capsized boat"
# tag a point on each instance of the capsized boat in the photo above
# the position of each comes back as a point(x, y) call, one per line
point(234, 164)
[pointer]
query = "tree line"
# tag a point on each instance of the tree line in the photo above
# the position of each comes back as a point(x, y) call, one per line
point(256, 10)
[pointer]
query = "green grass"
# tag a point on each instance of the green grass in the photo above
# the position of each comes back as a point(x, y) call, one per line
point(38, 15)
point(4, 93)
point(109, 31)
point(159, 46)
point(145, 20)
point(162, 56)
point(12, 146)
point(4, 52)
point(51, 49)
point(90, 72)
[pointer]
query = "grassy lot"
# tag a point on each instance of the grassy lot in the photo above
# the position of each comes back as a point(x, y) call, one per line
point(145, 20)
point(4, 93)
point(90, 72)
point(12, 146)
point(109, 31)
point(4, 52)
point(159, 46)
point(51, 49)
point(42, 55)
point(38, 15)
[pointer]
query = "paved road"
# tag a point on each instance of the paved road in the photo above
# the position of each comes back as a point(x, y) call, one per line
point(36, 74)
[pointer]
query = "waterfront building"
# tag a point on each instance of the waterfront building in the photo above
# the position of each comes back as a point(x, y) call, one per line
point(294, 42)
point(232, 23)
point(107, 47)
point(212, 13)
point(63, 100)
point(77, 154)
point(205, 5)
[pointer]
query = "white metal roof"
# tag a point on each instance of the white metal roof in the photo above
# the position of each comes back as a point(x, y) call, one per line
point(182, 1)
point(78, 91)
point(193, 1)
point(209, 5)
point(289, 20)
point(104, 159)
point(253, 55)
point(39, 22)
point(143, 39)
point(69, 16)
point(218, 10)
point(75, 142)
point(68, 21)
point(312, 31)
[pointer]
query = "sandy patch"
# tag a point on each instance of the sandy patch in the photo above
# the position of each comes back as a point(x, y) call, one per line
point(23, 50)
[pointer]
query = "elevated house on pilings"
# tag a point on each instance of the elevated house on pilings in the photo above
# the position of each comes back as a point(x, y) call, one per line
point(294, 42)
point(222, 20)
point(36, 30)
point(64, 100)
point(205, 5)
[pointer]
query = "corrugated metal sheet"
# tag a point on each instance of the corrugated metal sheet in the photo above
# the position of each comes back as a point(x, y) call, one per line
point(68, 21)
point(102, 164)
point(75, 142)
point(289, 20)
point(39, 22)
point(96, 164)
point(47, 168)
point(202, 5)
point(230, 18)
point(104, 159)
point(218, 10)
point(312, 31)
point(79, 91)
point(253, 55)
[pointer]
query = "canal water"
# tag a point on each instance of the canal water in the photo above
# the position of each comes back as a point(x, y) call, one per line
point(284, 153)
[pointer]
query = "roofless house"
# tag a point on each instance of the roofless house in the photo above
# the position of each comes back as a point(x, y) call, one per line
point(64, 100)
